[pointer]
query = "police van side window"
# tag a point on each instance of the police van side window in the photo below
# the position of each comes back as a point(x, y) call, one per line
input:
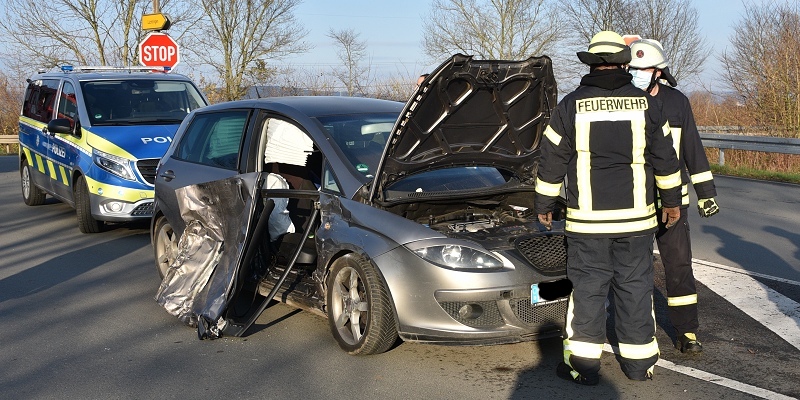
point(68, 104)
point(214, 139)
point(39, 99)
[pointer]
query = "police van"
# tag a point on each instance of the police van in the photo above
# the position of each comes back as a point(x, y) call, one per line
point(92, 138)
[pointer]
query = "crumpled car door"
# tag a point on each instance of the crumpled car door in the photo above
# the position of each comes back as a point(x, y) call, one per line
point(201, 282)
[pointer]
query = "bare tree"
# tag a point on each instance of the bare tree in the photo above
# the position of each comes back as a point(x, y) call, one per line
point(238, 37)
point(301, 82)
point(351, 52)
point(398, 87)
point(672, 22)
point(10, 104)
point(491, 29)
point(104, 32)
point(763, 65)
point(591, 16)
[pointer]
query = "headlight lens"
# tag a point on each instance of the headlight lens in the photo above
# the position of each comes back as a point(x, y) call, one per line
point(118, 166)
point(459, 257)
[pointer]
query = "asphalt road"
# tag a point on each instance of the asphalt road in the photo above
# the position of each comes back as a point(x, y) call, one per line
point(79, 322)
point(757, 228)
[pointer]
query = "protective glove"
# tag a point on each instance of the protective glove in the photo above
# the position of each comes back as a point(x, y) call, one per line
point(707, 207)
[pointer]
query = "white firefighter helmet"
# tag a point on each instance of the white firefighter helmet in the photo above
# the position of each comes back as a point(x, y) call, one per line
point(649, 53)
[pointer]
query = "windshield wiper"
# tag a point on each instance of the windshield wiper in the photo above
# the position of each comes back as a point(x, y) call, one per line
point(158, 121)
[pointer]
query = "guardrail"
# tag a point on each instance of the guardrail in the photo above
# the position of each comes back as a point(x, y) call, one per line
point(720, 141)
point(8, 140)
point(748, 142)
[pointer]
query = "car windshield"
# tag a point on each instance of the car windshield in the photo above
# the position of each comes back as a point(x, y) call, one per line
point(361, 137)
point(139, 101)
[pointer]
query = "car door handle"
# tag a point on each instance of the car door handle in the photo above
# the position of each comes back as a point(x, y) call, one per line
point(167, 175)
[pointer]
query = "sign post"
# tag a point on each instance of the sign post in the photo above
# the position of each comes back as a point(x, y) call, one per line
point(158, 50)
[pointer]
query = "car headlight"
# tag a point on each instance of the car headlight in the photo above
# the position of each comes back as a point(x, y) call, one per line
point(118, 166)
point(459, 257)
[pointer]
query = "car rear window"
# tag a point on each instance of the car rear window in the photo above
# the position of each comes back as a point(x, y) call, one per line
point(213, 139)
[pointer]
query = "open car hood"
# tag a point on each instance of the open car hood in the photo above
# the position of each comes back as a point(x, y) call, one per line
point(472, 113)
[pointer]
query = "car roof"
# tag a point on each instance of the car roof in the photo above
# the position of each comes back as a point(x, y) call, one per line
point(315, 106)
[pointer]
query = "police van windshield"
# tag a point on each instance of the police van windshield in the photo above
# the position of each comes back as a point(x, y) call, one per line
point(139, 101)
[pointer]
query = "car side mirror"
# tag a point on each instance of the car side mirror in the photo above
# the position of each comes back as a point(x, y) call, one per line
point(59, 125)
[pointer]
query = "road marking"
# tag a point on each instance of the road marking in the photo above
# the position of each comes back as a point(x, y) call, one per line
point(771, 309)
point(755, 299)
point(712, 378)
point(741, 271)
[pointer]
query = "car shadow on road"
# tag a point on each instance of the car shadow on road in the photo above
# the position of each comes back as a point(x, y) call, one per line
point(64, 267)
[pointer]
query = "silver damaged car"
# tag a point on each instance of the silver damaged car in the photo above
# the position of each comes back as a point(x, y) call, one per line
point(396, 222)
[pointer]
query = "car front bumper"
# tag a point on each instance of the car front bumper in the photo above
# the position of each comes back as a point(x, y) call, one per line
point(435, 304)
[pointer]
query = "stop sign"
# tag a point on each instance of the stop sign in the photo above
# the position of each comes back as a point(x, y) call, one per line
point(159, 50)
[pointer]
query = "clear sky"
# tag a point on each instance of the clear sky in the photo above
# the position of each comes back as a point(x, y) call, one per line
point(393, 32)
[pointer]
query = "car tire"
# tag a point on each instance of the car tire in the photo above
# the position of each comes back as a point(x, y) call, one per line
point(31, 194)
point(359, 308)
point(86, 222)
point(165, 245)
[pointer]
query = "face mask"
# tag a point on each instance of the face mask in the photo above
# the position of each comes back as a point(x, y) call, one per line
point(641, 78)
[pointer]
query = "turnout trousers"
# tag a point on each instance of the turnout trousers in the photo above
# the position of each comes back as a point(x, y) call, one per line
point(675, 247)
point(623, 266)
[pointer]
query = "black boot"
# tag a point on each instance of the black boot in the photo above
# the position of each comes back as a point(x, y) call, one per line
point(687, 343)
point(564, 371)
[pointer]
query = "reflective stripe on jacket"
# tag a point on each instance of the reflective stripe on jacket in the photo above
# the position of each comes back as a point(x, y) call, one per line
point(687, 144)
point(614, 147)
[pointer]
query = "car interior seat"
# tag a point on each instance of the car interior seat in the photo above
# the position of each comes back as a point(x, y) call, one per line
point(290, 153)
point(149, 106)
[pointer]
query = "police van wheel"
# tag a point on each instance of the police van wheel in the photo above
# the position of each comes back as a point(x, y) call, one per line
point(86, 223)
point(31, 194)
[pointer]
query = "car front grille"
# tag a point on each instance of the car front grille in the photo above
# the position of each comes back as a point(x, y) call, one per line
point(546, 253)
point(143, 210)
point(541, 314)
point(489, 315)
point(147, 168)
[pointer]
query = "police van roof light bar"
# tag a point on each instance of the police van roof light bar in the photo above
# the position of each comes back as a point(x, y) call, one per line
point(104, 68)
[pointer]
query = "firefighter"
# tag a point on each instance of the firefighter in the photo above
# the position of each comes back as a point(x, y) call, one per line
point(613, 144)
point(648, 66)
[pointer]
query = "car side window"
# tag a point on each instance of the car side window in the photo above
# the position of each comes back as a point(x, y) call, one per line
point(68, 105)
point(329, 180)
point(214, 139)
point(40, 97)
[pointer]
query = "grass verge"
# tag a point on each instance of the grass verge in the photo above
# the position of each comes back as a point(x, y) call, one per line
point(744, 172)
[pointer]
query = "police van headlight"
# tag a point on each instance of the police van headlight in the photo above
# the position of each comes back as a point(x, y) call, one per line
point(118, 166)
